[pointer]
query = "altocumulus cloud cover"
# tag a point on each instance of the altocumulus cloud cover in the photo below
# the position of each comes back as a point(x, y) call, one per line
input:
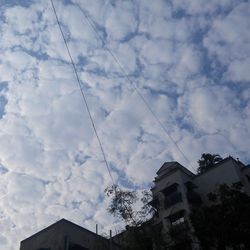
point(190, 61)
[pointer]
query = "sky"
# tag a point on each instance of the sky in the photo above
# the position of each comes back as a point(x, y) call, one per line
point(188, 60)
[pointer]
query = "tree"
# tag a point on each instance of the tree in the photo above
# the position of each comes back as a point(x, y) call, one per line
point(207, 161)
point(226, 223)
point(141, 234)
point(123, 202)
point(138, 234)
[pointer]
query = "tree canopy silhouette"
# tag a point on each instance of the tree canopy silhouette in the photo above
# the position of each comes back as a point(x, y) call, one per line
point(225, 223)
point(207, 161)
point(122, 206)
point(123, 202)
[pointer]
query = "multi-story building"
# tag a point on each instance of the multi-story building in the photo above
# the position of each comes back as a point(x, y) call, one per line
point(177, 190)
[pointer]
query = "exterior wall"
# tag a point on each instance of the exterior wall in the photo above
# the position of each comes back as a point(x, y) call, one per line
point(246, 170)
point(61, 235)
point(227, 172)
point(164, 181)
point(246, 178)
point(85, 238)
point(175, 177)
point(137, 236)
point(242, 171)
point(51, 238)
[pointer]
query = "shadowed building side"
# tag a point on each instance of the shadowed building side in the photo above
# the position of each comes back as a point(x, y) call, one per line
point(177, 191)
point(65, 235)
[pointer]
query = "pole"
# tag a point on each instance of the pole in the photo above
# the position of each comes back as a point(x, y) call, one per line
point(110, 239)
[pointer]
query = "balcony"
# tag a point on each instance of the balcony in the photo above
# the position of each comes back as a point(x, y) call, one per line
point(172, 199)
point(178, 221)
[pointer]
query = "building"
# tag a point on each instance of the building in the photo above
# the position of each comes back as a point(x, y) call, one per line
point(177, 190)
point(65, 235)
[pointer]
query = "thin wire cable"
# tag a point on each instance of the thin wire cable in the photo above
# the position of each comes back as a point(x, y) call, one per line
point(5, 195)
point(90, 22)
point(82, 93)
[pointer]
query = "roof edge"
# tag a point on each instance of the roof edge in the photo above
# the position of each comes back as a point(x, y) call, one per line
point(58, 222)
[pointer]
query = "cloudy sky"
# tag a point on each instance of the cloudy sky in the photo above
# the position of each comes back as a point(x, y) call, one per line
point(188, 60)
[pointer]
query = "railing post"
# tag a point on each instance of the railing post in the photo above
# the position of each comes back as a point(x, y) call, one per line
point(110, 240)
point(96, 228)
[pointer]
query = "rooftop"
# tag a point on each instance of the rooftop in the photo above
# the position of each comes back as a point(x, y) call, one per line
point(169, 167)
point(60, 223)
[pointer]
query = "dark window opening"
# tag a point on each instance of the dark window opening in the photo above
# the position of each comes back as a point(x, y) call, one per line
point(172, 196)
point(248, 177)
point(190, 186)
point(172, 199)
point(154, 203)
point(192, 196)
point(179, 225)
point(170, 189)
point(177, 218)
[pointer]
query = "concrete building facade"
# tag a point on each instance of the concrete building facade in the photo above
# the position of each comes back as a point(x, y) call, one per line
point(177, 190)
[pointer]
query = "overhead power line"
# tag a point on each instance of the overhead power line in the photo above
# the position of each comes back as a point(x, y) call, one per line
point(82, 93)
point(91, 24)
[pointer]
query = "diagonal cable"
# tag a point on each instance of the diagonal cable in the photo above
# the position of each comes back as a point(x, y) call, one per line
point(90, 22)
point(82, 93)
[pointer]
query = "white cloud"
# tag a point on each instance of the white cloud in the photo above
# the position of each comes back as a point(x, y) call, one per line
point(20, 18)
point(158, 51)
point(120, 20)
point(228, 41)
point(238, 70)
point(180, 54)
point(201, 7)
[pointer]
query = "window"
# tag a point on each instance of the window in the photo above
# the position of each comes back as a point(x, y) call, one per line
point(248, 177)
point(172, 196)
point(178, 221)
point(172, 199)
point(177, 218)
point(170, 189)
point(179, 224)
point(190, 186)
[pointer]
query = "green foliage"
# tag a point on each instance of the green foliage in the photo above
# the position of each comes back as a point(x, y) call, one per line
point(123, 202)
point(122, 206)
point(226, 222)
point(140, 233)
point(207, 161)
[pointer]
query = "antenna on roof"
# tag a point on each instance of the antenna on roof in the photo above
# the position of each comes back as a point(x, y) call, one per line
point(96, 228)
point(110, 239)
